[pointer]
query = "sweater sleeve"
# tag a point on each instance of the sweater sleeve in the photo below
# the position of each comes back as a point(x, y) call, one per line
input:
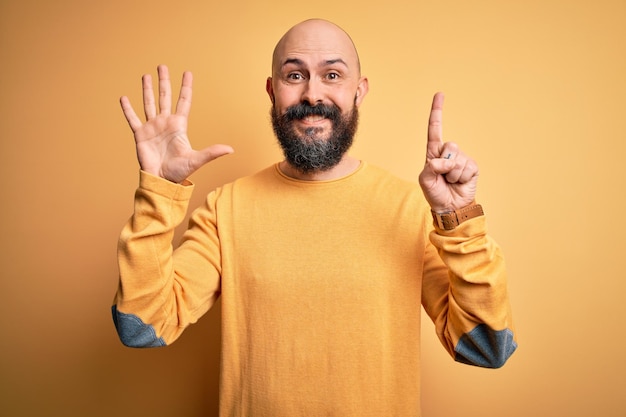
point(161, 290)
point(467, 296)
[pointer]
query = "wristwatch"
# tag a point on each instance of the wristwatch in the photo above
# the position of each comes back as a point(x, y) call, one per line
point(451, 219)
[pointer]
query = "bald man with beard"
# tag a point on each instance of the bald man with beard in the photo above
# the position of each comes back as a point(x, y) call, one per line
point(323, 262)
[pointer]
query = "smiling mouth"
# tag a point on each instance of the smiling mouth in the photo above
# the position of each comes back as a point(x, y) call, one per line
point(313, 119)
point(313, 126)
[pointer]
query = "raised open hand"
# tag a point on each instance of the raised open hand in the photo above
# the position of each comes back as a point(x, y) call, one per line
point(449, 177)
point(163, 148)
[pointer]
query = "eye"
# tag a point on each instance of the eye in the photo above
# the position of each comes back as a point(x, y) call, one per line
point(295, 76)
point(332, 76)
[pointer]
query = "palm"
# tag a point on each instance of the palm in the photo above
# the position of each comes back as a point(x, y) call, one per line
point(163, 148)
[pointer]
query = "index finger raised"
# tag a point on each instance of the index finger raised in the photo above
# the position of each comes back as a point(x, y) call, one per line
point(435, 128)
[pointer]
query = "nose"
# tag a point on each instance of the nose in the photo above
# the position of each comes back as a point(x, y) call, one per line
point(313, 92)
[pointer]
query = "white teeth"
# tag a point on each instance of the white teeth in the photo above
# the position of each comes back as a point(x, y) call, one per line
point(313, 118)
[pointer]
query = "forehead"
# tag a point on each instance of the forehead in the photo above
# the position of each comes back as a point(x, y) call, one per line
point(315, 43)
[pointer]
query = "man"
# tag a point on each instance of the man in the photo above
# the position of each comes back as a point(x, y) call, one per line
point(322, 261)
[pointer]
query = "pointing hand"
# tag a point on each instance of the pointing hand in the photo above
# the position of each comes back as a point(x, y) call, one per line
point(449, 177)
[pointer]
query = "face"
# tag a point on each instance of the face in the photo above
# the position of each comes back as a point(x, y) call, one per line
point(316, 89)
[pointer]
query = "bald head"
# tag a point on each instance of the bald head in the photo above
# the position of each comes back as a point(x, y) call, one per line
point(316, 36)
point(316, 89)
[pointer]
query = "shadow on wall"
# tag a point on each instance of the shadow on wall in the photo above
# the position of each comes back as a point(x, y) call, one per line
point(178, 380)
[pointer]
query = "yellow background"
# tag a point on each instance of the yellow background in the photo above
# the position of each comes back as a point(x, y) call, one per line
point(535, 93)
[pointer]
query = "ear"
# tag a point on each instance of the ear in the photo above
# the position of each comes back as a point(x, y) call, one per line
point(269, 88)
point(361, 91)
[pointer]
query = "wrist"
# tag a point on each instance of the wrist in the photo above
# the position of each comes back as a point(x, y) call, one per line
point(450, 219)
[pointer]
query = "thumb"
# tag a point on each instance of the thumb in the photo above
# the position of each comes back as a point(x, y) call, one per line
point(433, 169)
point(212, 152)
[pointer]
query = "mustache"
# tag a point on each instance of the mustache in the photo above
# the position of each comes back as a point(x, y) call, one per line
point(302, 110)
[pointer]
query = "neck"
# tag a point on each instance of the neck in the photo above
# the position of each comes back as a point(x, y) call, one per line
point(346, 166)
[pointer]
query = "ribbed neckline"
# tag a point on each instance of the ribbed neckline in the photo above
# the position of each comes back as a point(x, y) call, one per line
point(313, 183)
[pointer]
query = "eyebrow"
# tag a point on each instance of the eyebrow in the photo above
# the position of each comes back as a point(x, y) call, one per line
point(336, 61)
point(328, 62)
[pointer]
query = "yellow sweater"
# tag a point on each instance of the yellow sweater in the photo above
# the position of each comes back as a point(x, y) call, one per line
point(321, 286)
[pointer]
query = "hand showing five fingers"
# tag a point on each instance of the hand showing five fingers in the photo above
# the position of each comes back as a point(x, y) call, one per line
point(163, 148)
point(449, 177)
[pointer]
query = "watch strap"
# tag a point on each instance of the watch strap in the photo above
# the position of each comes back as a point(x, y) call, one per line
point(451, 219)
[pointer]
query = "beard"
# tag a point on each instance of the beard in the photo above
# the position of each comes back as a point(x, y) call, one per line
point(309, 152)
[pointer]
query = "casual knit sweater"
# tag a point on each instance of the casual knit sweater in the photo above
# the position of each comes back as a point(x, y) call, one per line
point(321, 285)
